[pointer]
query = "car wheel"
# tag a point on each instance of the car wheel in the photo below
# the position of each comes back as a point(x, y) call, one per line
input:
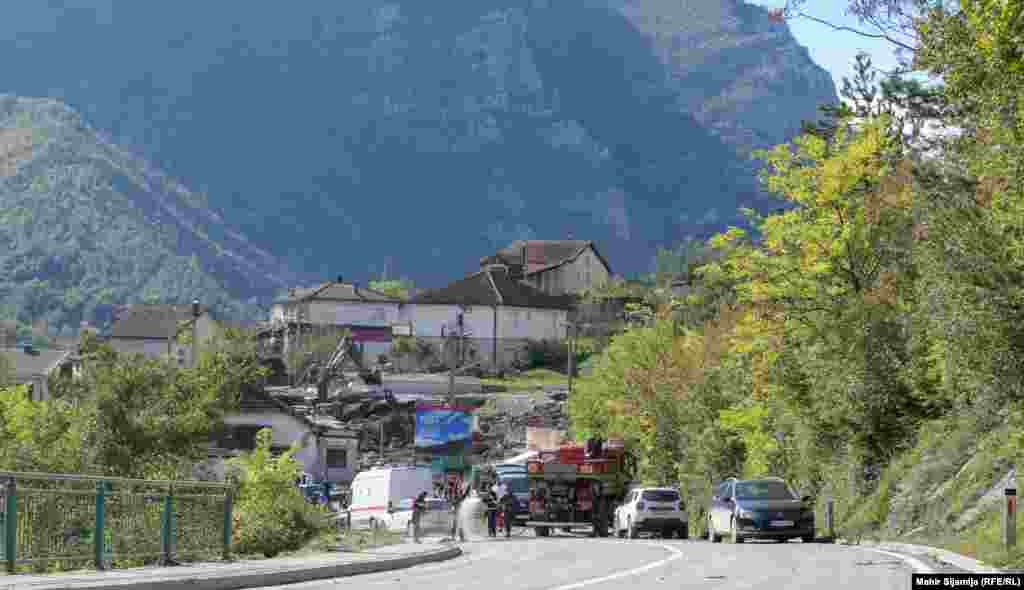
point(735, 533)
point(631, 528)
point(713, 535)
point(542, 531)
point(684, 531)
point(807, 538)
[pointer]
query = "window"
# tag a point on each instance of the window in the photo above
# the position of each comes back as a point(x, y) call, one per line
point(660, 496)
point(337, 458)
point(764, 490)
point(243, 438)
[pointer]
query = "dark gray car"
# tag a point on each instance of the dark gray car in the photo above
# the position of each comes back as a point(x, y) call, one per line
point(759, 509)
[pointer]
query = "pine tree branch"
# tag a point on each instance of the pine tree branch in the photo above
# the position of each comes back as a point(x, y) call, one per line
point(866, 34)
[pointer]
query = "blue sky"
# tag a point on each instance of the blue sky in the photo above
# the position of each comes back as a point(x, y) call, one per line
point(831, 49)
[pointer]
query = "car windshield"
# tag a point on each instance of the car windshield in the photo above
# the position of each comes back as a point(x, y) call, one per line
point(516, 485)
point(764, 490)
point(660, 496)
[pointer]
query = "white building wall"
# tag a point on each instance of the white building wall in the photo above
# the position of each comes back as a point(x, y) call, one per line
point(338, 313)
point(530, 323)
point(152, 348)
point(286, 430)
point(428, 319)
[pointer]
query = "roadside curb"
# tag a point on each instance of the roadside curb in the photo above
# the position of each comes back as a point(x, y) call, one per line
point(941, 556)
point(255, 579)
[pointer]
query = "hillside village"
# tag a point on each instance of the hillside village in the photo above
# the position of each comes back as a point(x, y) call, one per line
point(397, 351)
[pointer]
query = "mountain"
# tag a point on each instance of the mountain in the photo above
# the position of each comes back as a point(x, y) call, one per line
point(85, 225)
point(350, 137)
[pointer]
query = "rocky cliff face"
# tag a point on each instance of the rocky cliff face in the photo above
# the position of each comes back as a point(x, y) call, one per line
point(342, 134)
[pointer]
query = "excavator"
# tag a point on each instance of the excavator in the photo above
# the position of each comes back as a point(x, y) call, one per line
point(322, 376)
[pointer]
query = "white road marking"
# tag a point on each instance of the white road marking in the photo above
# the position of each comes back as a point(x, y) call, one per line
point(676, 554)
point(917, 565)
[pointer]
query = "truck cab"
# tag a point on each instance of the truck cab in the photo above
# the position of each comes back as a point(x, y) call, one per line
point(577, 486)
point(514, 478)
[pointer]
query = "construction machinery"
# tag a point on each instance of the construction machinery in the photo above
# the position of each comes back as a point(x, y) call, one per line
point(578, 486)
point(323, 375)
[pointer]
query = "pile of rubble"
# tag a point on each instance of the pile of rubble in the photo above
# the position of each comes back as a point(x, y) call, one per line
point(502, 423)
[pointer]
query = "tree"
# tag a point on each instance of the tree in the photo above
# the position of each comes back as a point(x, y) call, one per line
point(397, 288)
point(831, 277)
point(6, 370)
point(154, 419)
point(894, 21)
point(272, 516)
point(44, 436)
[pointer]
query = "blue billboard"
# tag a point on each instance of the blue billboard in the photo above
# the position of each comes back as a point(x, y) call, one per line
point(441, 428)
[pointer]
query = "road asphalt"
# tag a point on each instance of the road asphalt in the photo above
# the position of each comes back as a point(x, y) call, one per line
point(525, 562)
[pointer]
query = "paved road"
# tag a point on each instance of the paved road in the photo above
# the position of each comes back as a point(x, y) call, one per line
point(563, 563)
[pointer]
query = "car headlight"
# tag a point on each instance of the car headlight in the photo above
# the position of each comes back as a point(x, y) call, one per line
point(745, 514)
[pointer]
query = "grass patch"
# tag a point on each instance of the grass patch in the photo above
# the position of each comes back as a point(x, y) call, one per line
point(531, 379)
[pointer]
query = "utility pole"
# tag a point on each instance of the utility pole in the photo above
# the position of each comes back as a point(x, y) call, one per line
point(196, 312)
point(570, 334)
point(454, 360)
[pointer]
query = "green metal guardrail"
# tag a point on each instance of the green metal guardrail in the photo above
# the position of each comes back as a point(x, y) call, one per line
point(67, 520)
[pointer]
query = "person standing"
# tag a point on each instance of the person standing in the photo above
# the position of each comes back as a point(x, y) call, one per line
point(507, 505)
point(492, 514)
point(419, 506)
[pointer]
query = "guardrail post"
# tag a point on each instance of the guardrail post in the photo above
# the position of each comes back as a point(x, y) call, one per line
point(228, 522)
point(1010, 518)
point(167, 528)
point(829, 518)
point(99, 535)
point(11, 526)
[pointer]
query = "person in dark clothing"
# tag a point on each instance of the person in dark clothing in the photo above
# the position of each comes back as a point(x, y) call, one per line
point(507, 505)
point(492, 514)
point(419, 506)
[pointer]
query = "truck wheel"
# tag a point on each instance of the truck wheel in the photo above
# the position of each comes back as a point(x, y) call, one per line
point(735, 534)
point(631, 528)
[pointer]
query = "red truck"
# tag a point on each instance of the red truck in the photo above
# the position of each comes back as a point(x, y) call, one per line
point(578, 486)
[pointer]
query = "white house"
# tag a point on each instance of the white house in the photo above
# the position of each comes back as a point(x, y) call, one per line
point(330, 308)
point(326, 449)
point(555, 267)
point(33, 367)
point(154, 330)
point(499, 315)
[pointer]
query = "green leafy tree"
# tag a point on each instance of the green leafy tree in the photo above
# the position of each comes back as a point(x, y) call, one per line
point(271, 515)
point(45, 436)
point(397, 288)
point(6, 370)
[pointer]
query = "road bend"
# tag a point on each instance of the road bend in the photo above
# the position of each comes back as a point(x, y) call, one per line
point(571, 563)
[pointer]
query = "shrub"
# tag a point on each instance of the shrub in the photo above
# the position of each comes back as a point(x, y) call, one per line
point(554, 354)
point(272, 515)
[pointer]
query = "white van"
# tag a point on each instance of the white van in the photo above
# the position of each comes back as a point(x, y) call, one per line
point(377, 490)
